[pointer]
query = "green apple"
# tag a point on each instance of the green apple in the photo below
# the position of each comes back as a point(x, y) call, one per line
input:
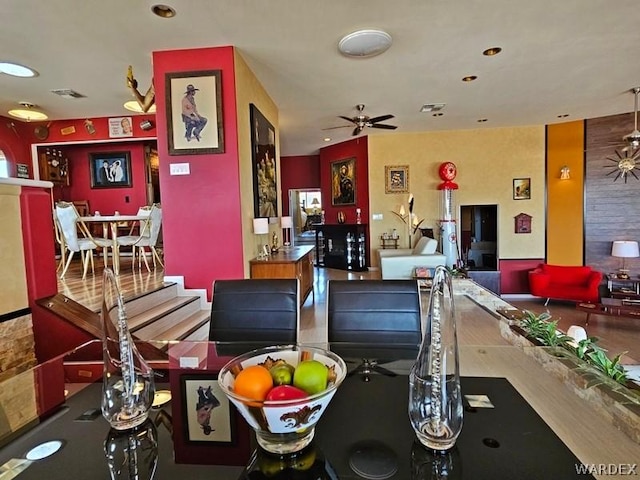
point(311, 376)
point(282, 374)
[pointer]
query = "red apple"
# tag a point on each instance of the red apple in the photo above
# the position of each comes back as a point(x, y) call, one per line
point(285, 392)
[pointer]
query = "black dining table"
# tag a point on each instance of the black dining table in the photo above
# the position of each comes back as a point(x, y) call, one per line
point(365, 432)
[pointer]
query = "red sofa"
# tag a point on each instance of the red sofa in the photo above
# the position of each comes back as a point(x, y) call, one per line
point(580, 284)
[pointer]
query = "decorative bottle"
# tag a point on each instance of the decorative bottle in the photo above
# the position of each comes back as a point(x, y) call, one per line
point(127, 387)
point(435, 398)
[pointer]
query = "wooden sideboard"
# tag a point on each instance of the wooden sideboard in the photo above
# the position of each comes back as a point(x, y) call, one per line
point(294, 262)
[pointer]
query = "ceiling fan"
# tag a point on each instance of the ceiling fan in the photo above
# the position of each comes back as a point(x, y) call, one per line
point(361, 121)
point(630, 141)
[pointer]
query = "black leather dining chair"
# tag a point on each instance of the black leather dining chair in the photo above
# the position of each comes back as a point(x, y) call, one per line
point(255, 310)
point(374, 311)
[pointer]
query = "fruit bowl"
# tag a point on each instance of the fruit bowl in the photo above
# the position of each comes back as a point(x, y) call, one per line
point(284, 425)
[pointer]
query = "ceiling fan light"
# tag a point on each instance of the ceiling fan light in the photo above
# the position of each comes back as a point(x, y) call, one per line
point(365, 43)
point(27, 114)
point(134, 106)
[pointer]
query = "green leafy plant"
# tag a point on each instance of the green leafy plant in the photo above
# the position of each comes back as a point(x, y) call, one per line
point(612, 368)
point(541, 328)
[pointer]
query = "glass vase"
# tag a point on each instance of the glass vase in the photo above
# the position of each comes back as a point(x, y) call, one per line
point(435, 398)
point(127, 387)
point(132, 454)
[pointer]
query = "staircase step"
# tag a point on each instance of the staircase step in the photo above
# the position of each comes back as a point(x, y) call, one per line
point(192, 328)
point(141, 303)
point(169, 311)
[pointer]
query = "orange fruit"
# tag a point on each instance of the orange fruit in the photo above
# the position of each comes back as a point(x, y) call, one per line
point(253, 382)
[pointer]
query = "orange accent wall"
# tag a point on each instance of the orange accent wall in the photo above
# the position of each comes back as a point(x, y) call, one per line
point(565, 198)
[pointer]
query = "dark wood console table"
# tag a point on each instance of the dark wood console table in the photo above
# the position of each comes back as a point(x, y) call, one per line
point(295, 262)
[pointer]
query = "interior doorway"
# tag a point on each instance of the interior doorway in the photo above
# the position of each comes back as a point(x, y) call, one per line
point(305, 208)
point(479, 236)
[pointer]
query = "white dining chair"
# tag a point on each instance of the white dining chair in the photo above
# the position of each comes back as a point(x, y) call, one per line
point(146, 238)
point(69, 224)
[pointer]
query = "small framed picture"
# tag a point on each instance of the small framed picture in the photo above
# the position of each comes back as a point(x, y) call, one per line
point(396, 179)
point(206, 410)
point(207, 428)
point(120, 127)
point(522, 189)
point(110, 170)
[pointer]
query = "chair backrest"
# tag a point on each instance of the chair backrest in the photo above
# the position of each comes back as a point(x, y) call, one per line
point(67, 217)
point(155, 217)
point(82, 207)
point(374, 311)
point(255, 310)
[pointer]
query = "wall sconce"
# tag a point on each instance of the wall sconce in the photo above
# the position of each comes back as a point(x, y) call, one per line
point(565, 173)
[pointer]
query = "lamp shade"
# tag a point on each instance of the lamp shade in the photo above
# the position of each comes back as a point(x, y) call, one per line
point(260, 226)
point(315, 201)
point(625, 249)
point(286, 222)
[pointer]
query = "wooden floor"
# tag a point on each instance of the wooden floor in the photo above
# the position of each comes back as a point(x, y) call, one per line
point(616, 334)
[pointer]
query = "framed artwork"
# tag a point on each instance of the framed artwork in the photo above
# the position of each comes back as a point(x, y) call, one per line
point(263, 160)
point(396, 179)
point(522, 189)
point(206, 411)
point(343, 182)
point(120, 127)
point(110, 170)
point(194, 112)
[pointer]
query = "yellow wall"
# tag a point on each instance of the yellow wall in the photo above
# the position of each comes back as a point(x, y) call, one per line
point(565, 219)
point(249, 90)
point(487, 159)
point(13, 292)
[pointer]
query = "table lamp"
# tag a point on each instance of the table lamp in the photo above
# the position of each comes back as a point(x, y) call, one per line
point(315, 203)
point(287, 224)
point(624, 249)
point(261, 227)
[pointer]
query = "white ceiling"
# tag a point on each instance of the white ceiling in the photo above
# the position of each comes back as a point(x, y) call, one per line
point(576, 57)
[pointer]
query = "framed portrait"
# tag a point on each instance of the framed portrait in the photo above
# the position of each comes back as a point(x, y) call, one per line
point(343, 182)
point(110, 169)
point(206, 411)
point(396, 179)
point(263, 160)
point(207, 428)
point(194, 112)
point(521, 188)
point(120, 127)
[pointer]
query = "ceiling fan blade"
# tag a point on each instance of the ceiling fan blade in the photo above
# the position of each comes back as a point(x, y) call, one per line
point(357, 130)
point(347, 119)
point(381, 125)
point(381, 118)
point(341, 126)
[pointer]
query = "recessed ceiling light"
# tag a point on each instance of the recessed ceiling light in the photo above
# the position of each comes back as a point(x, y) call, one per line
point(482, 120)
point(164, 11)
point(17, 70)
point(44, 450)
point(490, 52)
point(27, 113)
point(469, 78)
point(438, 114)
point(365, 43)
point(432, 107)
point(327, 139)
point(563, 115)
point(134, 106)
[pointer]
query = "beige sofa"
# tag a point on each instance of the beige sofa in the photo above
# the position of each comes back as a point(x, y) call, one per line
point(401, 263)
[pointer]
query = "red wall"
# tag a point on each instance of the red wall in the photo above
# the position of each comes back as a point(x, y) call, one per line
point(514, 274)
point(100, 124)
point(15, 144)
point(298, 172)
point(105, 200)
point(357, 148)
point(203, 223)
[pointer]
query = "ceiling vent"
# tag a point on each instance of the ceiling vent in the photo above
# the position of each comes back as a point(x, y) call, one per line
point(67, 93)
point(432, 107)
